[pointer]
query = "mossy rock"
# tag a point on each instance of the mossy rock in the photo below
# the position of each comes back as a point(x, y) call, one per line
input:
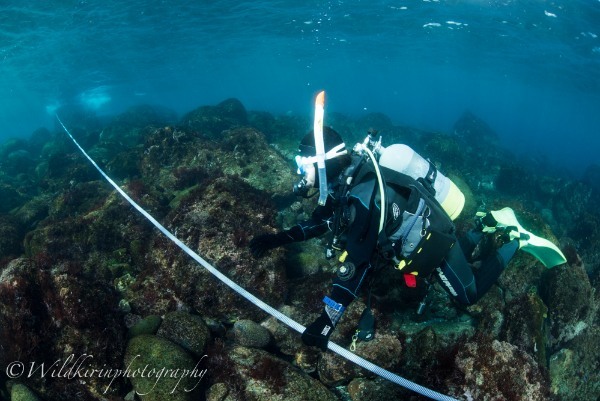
point(20, 392)
point(158, 356)
point(148, 325)
point(251, 334)
point(186, 330)
point(262, 376)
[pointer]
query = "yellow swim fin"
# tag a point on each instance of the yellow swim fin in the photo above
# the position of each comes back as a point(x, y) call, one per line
point(544, 250)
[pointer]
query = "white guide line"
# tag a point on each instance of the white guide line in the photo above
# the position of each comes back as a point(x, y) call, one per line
point(258, 302)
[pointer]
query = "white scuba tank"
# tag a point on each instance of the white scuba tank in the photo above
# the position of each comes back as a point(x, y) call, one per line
point(405, 160)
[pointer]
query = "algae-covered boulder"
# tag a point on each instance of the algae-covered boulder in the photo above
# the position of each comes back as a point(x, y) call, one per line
point(148, 325)
point(212, 120)
point(524, 325)
point(286, 340)
point(53, 314)
point(10, 237)
point(258, 375)
point(251, 334)
point(567, 292)
point(186, 330)
point(171, 373)
point(475, 131)
point(363, 389)
point(385, 350)
point(575, 371)
point(218, 220)
point(21, 392)
point(497, 370)
point(10, 196)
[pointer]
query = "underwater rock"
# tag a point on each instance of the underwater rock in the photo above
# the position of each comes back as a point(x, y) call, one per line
point(10, 237)
point(217, 221)
point(218, 392)
point(19, 162)
point(265, 122)
point(250, 334)
point(247, 155)
point(38, 139)
point(20, 327)
point(186, 330)
point(377, 121)
point(591, 177)
point(362, 389)
point(156, 354)
point(428, 351)
point(286, 340)
point(385, 350)
point(11, 197)
point(11, 145)
point(216, 182)
point(49, 315)
point(147, 325)
point(568, 293)
point(283, 132)
point(212, 120)
point(524, 325)
point(83, 222)
point(126, 129)
point(334, 370)
point(575, 371)
point(475, 131)
point(77, 118)
point(262, 376)
point(447, 148)
point(513, 180)
point(489, 311)
point(499, 371)
point(34, 211)
point(20, 392)
point(241, 153)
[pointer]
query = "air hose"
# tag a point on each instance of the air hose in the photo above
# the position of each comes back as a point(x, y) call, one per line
point(381, 188)
point(258, 302)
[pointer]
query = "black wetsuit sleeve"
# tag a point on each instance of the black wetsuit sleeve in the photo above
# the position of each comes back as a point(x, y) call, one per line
point(317, 225)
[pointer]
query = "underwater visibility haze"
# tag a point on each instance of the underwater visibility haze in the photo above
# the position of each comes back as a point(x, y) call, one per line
point(531, 70)
point(196, 109)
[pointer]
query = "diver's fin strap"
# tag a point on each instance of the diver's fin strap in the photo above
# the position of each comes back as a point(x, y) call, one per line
point(545, 251)
point(486, 222)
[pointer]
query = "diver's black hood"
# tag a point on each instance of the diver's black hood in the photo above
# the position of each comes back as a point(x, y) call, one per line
point(331, 139)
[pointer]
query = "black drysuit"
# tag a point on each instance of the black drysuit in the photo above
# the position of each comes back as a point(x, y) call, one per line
point(464, 283)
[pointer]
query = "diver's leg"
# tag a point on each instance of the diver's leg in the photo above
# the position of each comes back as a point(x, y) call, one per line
point(469, 241)
point(456, 276)
point(493, 266)
point(346, 285)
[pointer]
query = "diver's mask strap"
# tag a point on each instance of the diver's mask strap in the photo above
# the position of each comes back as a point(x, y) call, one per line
point(334, 152)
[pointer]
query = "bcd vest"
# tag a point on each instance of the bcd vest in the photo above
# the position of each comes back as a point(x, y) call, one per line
point(417, 233)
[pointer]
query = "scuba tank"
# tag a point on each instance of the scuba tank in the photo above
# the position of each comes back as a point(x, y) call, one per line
point(405, 160)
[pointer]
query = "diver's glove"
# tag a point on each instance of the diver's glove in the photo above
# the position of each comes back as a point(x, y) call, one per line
point(317, 333)
point(261, 244)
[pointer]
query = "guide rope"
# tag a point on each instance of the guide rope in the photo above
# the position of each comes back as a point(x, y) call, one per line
point(258, 302)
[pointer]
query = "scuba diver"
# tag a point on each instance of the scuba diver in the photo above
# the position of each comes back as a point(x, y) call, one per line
point(390, 205)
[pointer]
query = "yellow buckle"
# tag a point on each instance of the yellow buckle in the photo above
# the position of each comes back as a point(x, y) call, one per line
point(401, 265)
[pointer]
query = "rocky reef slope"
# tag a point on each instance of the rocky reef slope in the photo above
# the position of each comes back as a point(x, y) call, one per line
point(89, 289)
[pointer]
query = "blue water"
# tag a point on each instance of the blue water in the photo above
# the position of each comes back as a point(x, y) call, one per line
point(531, 69)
